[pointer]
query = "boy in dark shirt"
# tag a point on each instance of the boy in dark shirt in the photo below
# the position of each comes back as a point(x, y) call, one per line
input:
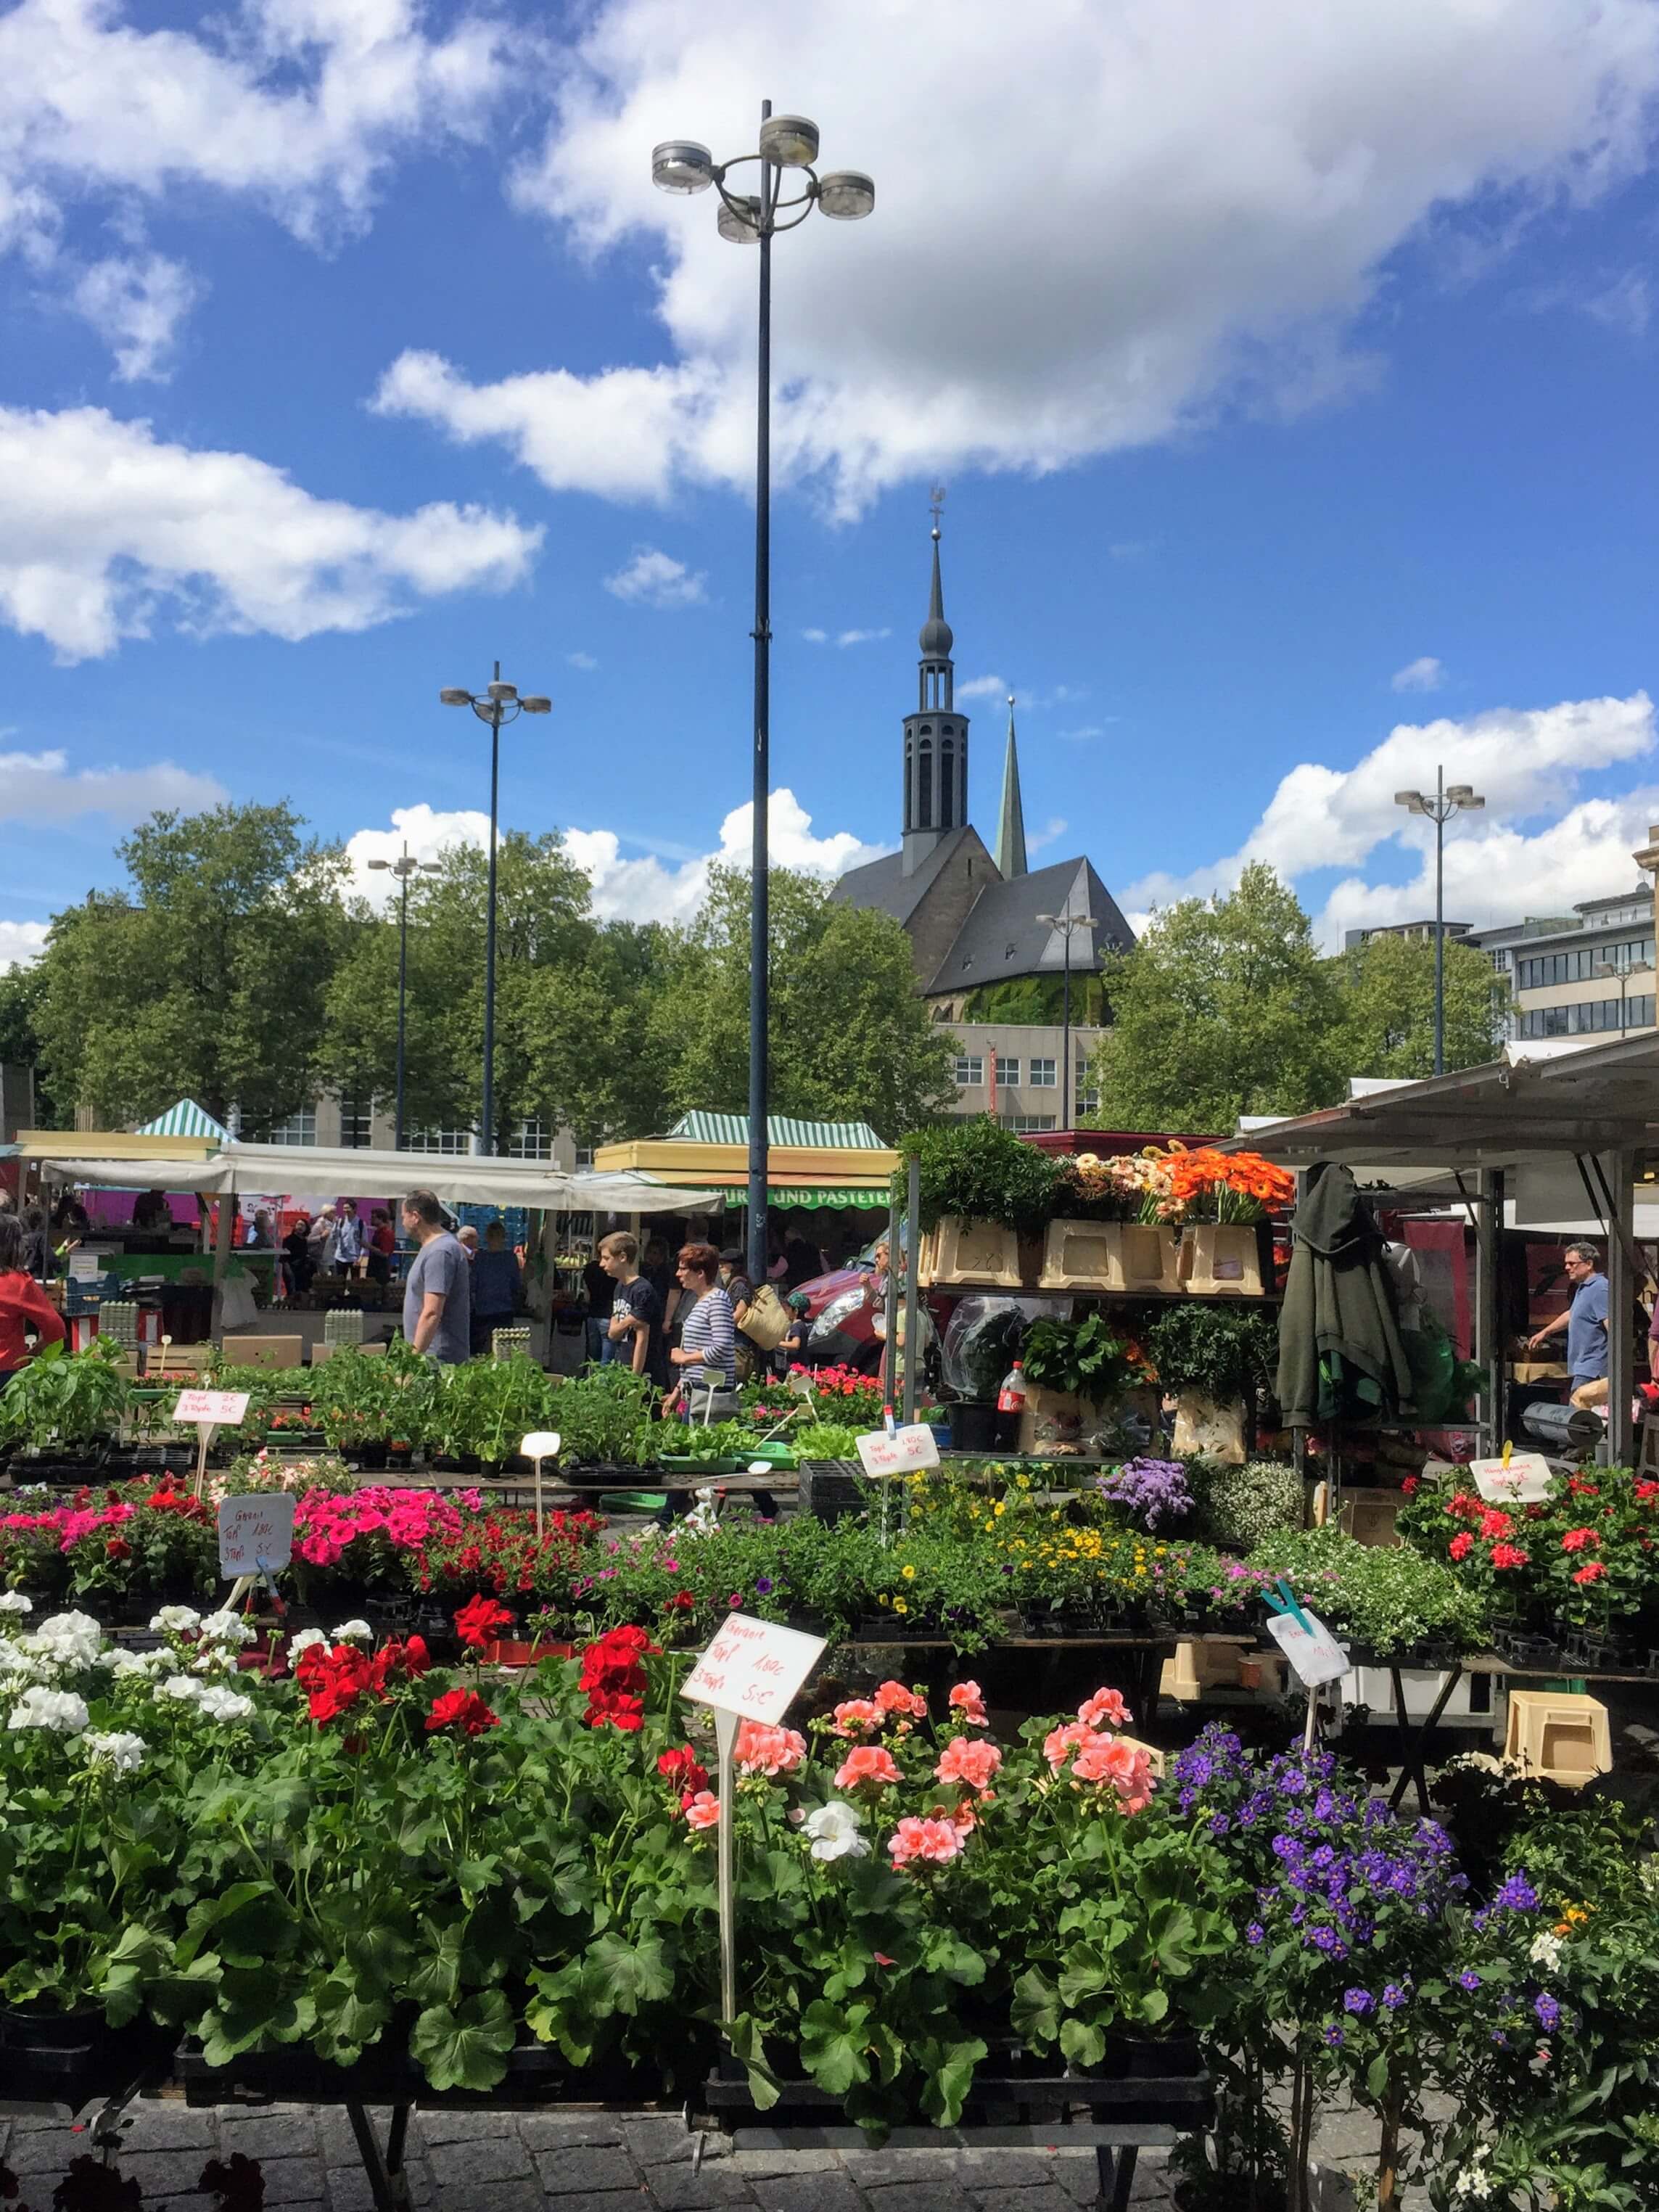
point(636, 1311)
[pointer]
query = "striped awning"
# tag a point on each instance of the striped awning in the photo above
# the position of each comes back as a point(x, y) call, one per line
point(700, 1128)
point(186, 1119)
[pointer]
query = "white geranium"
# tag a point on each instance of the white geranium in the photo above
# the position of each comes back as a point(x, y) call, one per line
point(15, 1604)
point(219, 1704)
point(122, 1750)
point(1650, 1877)
point(124, 1665)
point(175, 1620)
point(837, 1831)
point(183, 1688)
point(21, 1662)
point(1546, 1950)
point(307, 1639)
point(226, 1627)
point(72, 1639)
point(354, 1631)
point(61, 1711)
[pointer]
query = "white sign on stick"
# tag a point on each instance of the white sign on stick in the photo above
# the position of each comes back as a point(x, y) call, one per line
point(256, 1533)
point(753, 1667)
point(212, 1408)
point(1524, 1481)
point(1313, 1652)
point(902, 1453)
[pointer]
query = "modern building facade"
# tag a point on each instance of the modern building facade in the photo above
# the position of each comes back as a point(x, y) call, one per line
point(1588, 973)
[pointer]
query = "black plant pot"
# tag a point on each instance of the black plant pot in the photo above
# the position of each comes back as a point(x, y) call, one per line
point(974, 1428)
point(372, 1458)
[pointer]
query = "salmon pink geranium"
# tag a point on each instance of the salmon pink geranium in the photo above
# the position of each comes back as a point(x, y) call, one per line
point(867, 1762)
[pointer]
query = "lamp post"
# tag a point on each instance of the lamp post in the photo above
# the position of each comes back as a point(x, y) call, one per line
point(1067, 922)
point(500, 702)
point(1440, 805)
point(682, 166)
point(404, 867)
point(1611, 968)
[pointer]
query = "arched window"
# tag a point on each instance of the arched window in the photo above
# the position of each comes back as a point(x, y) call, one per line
point(947, 784)
point(909, 785)
point(925, 787)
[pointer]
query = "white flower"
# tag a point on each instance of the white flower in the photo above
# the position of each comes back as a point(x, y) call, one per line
point(73, 1640)
point(1650, 1877)
point(60, 1710)
point(1546, 1950)
point(837, 1832)
point(1474, 2180)
point(124, 1753)
point(14, 1602)
point(175, 1620)
point(307, 1640)
point(21, 1662)
point(125, 1663)
point(226, 1627)
point(354, 1631)
point(220, 1703)
point(184, 1687)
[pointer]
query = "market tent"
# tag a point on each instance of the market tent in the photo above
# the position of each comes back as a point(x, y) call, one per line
point(809, 1163)
point(186, 1119)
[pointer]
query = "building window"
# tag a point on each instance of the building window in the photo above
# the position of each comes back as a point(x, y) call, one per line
point(970, 1071)
point(584, 1155)
point(1088, 1101)
point(1546, 970)
point(1589, 1018)
point(300, 1128)
point(531, 1140)
point(1007, 1068)
point(947, 783)
point(1018, 1121)
point(356, 1123)
point(453, 1142)
point(925, 787)
point(1043, 1076)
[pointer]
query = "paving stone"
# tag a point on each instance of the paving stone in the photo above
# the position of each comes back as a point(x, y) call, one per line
point(677, 2189)
point(757, 2166)
point(542, 2131)
point(572, 2170)
point(159, 2124)
point(339, 2145)
point(664, 2139)
point(875, 2169)
point(268, 2134)
point(500, 2197)
point(292, 2180)
point(941, 2193)
point(48, 2149)
point(182, 2204)
point(1050, 2197)
point(160, 2173)
point(982, 2170)
point(461, 2126)
point(804, 2192)
point(500, 2157)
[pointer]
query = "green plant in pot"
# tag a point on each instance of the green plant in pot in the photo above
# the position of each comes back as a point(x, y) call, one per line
point(1087, 1358)
point(981, 1172)
point(64, 1401)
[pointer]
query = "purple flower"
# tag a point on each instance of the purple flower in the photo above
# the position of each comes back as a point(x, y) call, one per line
point(1255, 1933)
point(1150, 1490)
point(763, 1586)
point(1548, 2010)
point(1517, 1895)
point(1334, 2037)
point(1358, 2000)
point(1393, 1996)
point(1468, 1979)
point(1219, 1824)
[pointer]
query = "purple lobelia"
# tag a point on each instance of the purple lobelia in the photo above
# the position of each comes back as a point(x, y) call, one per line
point(1152, 1492)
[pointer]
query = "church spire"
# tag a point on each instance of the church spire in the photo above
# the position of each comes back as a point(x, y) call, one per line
point(1010, 821)
point(935, 735)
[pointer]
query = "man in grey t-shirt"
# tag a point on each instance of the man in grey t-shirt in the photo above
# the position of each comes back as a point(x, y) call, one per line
point(438, 1288)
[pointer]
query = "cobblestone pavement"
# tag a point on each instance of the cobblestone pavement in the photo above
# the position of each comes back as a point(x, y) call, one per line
point(527, 2161)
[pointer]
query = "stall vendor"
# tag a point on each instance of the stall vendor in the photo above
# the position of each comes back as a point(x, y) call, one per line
point(1585, 1321)
point(24, 1311)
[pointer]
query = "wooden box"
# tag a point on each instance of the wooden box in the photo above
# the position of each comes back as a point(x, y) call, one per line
point(1560, 1735)
point(1109, 1256)
point(960, 1251)
point(265, 1351)
point(1221, 1259)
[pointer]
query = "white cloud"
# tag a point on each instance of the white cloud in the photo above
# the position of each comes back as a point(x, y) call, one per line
point(1234, 182)
point(105, 531)
point(657, 579)
point(1525, 761)
point(582, 660)
point(862, 636)
point(299, 105)
point(424, 830)
point(1427, 674)
point(135, 303)
point(816, 636)
point(1055, 826)
point(1089, 730)
point(21, 942)
point(982, 687)
point(39, 788)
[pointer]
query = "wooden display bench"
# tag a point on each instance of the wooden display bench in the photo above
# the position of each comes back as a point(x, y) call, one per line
point(1099, 1259)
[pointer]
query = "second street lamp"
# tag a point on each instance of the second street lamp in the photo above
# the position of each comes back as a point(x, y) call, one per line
point(1067, 922)
point(499, 703)
point(683, 166)
point(404, 867)
point(1440, 805)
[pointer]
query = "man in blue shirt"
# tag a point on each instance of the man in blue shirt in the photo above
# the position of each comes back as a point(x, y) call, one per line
point(1585, 1321)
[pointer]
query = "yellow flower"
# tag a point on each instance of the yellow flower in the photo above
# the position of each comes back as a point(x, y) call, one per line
point(899, 1606)
point(998, 1510)
point(909, 1574)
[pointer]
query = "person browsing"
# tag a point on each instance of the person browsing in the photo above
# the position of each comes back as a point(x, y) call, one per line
point(709, 1337)
point(438, 1288)
point(24, 1311)
point(635, 1330)
point(1585, 1321)
point(497, 1287)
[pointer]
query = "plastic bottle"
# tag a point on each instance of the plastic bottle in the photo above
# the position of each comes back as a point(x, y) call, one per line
point(1011, 1399)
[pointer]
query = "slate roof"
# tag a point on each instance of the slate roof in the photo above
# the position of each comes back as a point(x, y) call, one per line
point(1002, 937)
point(882, 883)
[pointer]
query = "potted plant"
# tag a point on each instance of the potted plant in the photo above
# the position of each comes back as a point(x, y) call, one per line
point(1215, 1360)
point(981, 1191)
point(1110, 1229)
point(65, 1407)
point(1073, 1367)
point(1224, 1198)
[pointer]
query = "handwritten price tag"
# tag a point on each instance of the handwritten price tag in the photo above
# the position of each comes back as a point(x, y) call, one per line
point(754, 1668)
point(1317, 1657)
point(256, 1533)
point(905, 1449)
point(1523, 1482)
point(212, 1408)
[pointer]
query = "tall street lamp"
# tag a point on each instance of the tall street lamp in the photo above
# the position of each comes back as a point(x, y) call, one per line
point(1067, 922)
point(682, 165)
point(1440, 805)
point(500, 702)
point(404, 867)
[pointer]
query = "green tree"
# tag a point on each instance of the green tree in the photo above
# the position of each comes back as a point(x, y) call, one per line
point(205, 977)
point(1387, 1007)
point(1224, 1008)
point(22, 989)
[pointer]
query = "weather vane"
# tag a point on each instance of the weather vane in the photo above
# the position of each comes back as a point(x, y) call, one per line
point(936, 505)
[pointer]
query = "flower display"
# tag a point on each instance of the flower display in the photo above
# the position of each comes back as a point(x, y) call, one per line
point(868, 1764)
point(772, 1751)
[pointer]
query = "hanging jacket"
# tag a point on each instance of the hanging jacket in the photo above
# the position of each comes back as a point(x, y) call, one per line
point(1340, 1350)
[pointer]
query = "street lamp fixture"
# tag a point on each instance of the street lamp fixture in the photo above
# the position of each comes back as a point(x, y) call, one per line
point(497, 703)
point(1440, 805)
point(404, 867)
point(1067, 922)
point(788, 148)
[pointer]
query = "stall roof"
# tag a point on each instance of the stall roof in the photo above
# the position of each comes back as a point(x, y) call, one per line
point(308, 1170)
point(1598, 1098)
point(186, 1119)
point(782, 1129)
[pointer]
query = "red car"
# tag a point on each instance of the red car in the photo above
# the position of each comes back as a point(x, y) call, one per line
point(843, 1309)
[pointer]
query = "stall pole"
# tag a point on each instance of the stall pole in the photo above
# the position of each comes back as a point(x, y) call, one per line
point(1489, 1347)
point(221, 1260)
point(912, 1287)
point(890, 1314)
point(1618, 1172)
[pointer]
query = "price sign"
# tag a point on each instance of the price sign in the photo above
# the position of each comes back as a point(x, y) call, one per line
point(1313, 1652)
point(256, 1534)
point(1525, 1479)
point(217, 1408)
point(902, 1452)
point(753, 1667)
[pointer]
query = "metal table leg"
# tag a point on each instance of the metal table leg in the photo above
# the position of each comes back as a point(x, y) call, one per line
point(1413, 1744)
point(1117, 2174)
point(388, 2183)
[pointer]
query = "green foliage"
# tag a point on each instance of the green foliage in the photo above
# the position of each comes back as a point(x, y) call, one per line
point(980, 1172)
point(1227, 1351)
point(1384, 1596)
point(1085, 1357)
point(21, 990)
point(65, 1398)
point(1387, 1020)
point(1039, 999)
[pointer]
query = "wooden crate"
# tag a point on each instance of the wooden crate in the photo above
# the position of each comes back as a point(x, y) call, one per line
point(1561, 1734)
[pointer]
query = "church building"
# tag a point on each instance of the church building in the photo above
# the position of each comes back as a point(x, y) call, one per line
point(988, 935)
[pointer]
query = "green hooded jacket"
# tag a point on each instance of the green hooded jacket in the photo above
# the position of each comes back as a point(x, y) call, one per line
point(1340, 1349)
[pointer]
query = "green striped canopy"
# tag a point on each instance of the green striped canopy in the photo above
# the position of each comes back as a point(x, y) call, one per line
point(186, 1119)
point(700, 1128)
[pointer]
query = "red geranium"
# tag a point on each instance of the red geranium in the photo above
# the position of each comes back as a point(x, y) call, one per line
point(481, 1622)
point(1494, 1523)
point(615, 1679)
point(1462, 1545)
point(118, 1548)
point(1591, 1572)
point(461, 1708)
point(1508, 1555)
point(1579, 1539)
point(682, 1768)
point(336, 1680)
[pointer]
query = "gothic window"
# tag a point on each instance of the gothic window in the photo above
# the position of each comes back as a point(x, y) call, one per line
point(947, 784)
point(924, 787)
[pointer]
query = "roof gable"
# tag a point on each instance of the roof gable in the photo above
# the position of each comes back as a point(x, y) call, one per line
point(1003, 938)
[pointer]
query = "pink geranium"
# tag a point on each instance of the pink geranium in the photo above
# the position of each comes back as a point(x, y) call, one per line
point(970, 1759)
point(892, 1697)
point(867, 1762)
point(703, 1811)
point(857, 1716)
point(968, 1701)
point(936, 1843)
point(1106, 1708)
point(763, 1750)
point(1124, 1767)
point(1060, 1743)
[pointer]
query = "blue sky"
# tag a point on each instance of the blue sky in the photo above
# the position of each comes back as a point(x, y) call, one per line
point(1291, 371)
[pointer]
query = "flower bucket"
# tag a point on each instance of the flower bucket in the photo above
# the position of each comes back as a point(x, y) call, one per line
point(1206, 1429)
point(1221, 1259)
point(975, 1252)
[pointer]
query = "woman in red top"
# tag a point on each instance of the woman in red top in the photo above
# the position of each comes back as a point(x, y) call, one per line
point(23, 1306)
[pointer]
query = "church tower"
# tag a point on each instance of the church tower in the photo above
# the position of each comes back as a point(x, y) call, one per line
point(1010, 821)
point(935, 736)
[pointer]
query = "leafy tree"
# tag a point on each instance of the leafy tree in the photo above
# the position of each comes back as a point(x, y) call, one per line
point(1387, 1007)
point(22, 989)
point(1224, 1008)
point(602, 1034)
point(205, 977)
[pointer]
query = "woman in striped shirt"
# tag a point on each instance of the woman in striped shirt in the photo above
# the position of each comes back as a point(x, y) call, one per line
point(709, 1337)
